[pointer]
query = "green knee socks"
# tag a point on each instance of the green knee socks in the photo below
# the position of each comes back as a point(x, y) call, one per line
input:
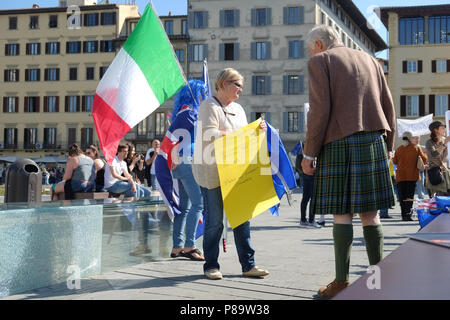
point(373, 235)
point(343, 238)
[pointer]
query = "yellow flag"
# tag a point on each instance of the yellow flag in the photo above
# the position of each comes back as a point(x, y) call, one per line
point(244, 172)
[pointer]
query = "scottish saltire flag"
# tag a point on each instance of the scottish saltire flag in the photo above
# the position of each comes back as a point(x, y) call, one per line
point(143, 75)
point(206, 79)
point(297, 149)
point(282, 173)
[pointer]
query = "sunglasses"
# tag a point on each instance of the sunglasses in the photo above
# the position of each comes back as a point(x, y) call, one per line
point(237, 84)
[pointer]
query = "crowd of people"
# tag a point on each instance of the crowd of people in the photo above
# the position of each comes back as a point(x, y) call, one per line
point(347, 164)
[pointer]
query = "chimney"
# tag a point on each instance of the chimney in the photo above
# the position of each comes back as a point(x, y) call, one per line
point(35, 6)
point(170, 13)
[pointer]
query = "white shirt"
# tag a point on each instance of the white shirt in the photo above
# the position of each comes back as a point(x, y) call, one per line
point(147, 156)
point(119, 166)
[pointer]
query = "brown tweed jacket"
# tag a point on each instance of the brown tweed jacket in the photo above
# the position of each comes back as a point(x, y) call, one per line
point(348, 93)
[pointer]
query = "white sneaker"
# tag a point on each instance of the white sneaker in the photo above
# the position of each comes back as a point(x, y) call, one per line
point(313, 225)
point(213, 274)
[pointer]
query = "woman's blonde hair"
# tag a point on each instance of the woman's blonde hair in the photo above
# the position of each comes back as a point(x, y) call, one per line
point(228, 74)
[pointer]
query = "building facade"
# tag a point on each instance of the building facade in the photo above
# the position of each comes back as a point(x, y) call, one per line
point(265, 41)
point(419, 65)
point(52, 61)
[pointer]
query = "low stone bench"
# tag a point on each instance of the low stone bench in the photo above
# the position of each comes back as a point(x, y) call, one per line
point(86, 195)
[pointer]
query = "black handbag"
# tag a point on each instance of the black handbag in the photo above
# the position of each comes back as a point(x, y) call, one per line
point(435, 176)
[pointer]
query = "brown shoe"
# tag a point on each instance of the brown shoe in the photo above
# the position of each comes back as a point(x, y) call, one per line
point(332, 289)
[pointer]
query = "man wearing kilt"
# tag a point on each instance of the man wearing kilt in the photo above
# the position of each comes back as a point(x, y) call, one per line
point(350, 129)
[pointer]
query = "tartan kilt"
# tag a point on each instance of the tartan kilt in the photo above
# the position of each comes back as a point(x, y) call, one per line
point(353, 176)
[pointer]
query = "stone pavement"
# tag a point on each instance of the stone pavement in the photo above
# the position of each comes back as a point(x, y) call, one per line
point(299, 260)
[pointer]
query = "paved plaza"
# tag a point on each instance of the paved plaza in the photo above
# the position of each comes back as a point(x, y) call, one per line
point(299, 260)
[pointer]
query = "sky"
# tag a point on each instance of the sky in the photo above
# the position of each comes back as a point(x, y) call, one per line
point(178, 7)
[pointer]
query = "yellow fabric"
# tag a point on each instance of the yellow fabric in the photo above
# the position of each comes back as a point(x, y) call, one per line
point(244, 173)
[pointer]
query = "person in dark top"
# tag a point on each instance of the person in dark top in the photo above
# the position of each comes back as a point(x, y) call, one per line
point(93, 153)
point(135, 163)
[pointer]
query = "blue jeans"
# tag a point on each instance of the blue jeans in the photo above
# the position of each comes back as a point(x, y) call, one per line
point(77, 186)
point(308, 187)
point(153, 180)
point(123, 187)
point(420, 188)
point(212, 199)
point(191, 206)
point(143, 191)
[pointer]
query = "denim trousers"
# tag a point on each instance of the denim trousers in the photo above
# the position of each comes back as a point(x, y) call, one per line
point(123, 187)
point(212, 199)
point(308, 188)
point(191, 207)
point(78, 186)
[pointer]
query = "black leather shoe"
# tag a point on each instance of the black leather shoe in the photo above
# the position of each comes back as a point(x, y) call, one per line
point(386, 217)
point(407, 218)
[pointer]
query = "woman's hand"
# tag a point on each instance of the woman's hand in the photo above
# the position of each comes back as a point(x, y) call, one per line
point(263, 125)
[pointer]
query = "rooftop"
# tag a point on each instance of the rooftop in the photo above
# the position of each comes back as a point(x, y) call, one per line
point(439, 9)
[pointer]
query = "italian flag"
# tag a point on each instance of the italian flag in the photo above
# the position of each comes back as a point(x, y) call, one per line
point(143, 75)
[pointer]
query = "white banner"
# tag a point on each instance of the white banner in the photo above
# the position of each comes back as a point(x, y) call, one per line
point(418, 127)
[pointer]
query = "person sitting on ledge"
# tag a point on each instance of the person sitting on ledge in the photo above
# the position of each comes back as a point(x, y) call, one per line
point(80, 170)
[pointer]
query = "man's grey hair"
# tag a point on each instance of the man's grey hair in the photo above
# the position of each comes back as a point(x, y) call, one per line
point(326, 34)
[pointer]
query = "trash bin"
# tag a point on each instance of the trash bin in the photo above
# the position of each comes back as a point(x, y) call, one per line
point(23, 182)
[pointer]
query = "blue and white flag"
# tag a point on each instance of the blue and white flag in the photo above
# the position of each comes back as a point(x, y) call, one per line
point(297, 149)
point(206, 79)
point(282, 172)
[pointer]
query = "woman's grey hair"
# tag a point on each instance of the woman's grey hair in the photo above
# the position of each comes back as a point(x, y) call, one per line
point(326, 34)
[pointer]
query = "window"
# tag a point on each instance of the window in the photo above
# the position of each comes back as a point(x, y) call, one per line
point(34, 22)
point(180, 54)
point(228, 18)
point(12, 23)
point(90, 73)
point(31, 104)
point(33, 49)
point(108, 18)
point(412, 106)
point(292, 121)
point(441, 105)
point(107, 46)
point(412, 66)
point(439, 29)
point(32, 74)
point(52, 48)
point(51, 104)
point(72, 104)
point(73, 47)
point(49, 138)
point(261, 85)
point(261, 50)
point(293, 84)
point(53, 21)
point(10, 135)
point(199, 19)
point(142, 128)
point(102, 71)
point(90, 19)
point(293, 15)
point(441, 65)
point(51, 74)
point(160, 123)
point(183, 27)
point(229, 51)
point(11, 75)
point(86, 137)
point(88, 102)
point(168, 26)
point(10, 104)
point(72, 136)
point(12, 49)
point(261, 17)
point(73, 73)
point(90, 46)
point(296, 49)
point(411, 30)
point(30, 138)
point(198, 52)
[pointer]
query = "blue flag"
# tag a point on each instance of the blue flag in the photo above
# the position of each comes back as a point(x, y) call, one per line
point(282, 172)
